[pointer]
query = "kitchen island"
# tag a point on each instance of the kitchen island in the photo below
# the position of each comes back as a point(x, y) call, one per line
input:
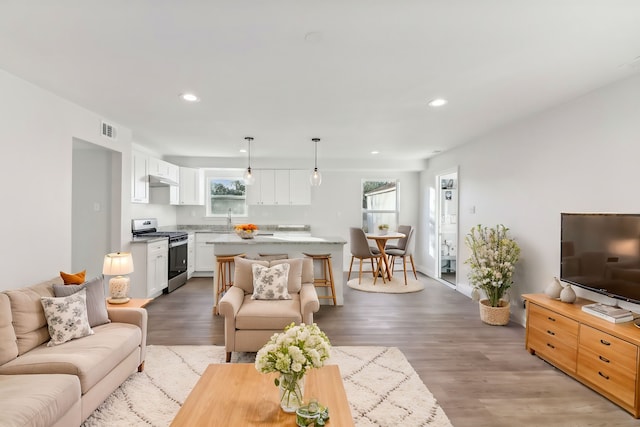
point(292, 244)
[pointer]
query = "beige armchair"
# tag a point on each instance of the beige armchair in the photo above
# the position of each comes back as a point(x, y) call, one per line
point(249, 323)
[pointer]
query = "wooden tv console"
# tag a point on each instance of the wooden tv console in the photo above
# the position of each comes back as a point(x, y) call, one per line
point(600, 354)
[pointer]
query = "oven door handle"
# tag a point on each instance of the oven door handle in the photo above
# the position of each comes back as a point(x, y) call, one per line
point(180, 243)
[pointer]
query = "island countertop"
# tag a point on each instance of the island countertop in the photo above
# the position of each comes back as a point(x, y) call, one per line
point(275, 238)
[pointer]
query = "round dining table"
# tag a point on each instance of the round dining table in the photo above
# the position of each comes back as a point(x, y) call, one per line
point(381, 241)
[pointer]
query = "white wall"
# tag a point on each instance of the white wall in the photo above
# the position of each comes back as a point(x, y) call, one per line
point(581, 156)
point(37, 134)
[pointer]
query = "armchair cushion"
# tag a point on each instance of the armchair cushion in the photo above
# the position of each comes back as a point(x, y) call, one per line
point(270, 283)
point(243, 273)
point(295, 273)
point(268, 315)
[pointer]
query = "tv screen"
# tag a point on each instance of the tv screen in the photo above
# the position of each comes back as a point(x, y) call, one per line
point(601, 253)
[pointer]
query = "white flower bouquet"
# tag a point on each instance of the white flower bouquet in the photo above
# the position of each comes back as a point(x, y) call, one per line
point(292, 353)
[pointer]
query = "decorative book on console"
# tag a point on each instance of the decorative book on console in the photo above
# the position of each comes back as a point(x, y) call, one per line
point(609, 313)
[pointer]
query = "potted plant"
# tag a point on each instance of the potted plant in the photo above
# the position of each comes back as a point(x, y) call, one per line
point(383, 228)
point(493, 258)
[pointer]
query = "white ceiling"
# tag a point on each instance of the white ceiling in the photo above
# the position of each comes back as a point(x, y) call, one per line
point(355, 73)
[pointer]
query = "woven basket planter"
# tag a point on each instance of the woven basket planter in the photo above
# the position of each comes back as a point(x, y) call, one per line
point(498, 316)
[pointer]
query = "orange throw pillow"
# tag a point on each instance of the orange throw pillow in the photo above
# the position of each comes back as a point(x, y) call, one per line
point(73, 279)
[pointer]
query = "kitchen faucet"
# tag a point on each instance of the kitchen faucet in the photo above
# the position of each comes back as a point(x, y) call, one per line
point(229, 224)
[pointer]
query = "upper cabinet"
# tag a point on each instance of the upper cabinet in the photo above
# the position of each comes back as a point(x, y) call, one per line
point(299, 187)
point(280, 187)
point(191, 186)
point(140, 178)
point(163, 169)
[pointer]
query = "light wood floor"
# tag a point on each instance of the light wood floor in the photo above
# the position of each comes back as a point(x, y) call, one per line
point(481, 375)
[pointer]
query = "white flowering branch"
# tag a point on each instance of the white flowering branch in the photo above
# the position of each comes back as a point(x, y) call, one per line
point(492, 261)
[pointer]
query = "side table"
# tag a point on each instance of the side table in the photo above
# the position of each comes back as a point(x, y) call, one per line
point(132, 303)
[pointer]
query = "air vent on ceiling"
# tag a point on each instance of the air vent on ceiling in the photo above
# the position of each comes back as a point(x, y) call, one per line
point(108, 130)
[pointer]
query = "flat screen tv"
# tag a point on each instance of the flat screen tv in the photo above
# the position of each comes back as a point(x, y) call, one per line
point(601, 253)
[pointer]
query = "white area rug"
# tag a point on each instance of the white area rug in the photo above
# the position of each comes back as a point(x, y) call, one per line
point(382, 387)
point(395, 286)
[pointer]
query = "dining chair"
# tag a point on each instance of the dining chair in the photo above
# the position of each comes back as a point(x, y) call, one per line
point(400, 243)
point(404, 252)
point(360, 249)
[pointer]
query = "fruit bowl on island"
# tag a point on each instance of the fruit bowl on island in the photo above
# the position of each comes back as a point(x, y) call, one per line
point(246, 231)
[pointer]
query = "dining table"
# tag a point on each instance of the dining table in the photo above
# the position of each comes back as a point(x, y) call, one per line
point(381, 241)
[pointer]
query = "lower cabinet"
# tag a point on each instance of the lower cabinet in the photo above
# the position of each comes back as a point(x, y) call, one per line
point(205, 260)
point(151, 269)
point(600, 354)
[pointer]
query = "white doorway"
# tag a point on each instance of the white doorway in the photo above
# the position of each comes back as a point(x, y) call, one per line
point(447, 185)
point(95, 210)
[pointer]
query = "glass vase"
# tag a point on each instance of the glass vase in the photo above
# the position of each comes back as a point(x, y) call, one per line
point(291, 388)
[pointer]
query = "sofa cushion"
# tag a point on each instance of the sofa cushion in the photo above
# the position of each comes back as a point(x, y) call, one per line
point(73, 278)
point(243, 274)
point(8, 343)
point(90, 358)
point(295, 273)
point(270, 283)
point(261, 315)
point(67, 317)
point(37, 400)
point(29, 322)
point(96, 299)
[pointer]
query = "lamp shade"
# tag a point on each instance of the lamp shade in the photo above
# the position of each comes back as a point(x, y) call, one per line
point(117, 263)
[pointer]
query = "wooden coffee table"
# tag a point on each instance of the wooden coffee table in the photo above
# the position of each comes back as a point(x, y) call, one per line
point(238, 395)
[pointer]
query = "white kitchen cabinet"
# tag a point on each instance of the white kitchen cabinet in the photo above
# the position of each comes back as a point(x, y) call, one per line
point(191, 255)
point(151, 269)
point(299, 187)
point(164, 169)
point(205, 261)
point(280, 187)
point(191, 186)
point(139, 178)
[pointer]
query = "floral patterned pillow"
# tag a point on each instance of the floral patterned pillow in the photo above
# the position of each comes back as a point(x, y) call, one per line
point(270, 283)
point(66, 317)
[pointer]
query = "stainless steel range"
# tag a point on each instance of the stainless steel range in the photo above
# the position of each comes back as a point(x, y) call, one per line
point(148, 227)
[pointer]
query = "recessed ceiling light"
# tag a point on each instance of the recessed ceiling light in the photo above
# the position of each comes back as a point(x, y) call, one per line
point(375, 152)
point(189, 97)
point(437, 102)
point(313, 37)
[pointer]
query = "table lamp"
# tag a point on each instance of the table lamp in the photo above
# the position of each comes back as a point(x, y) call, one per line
point(118, 264)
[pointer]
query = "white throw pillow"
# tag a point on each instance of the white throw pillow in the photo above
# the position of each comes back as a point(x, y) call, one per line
point(66, 317)
point(270, 283)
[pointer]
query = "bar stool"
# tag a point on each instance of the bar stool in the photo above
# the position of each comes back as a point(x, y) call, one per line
point(326, 281)
point(224, 279)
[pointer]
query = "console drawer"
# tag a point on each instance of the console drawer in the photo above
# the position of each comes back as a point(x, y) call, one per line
point(555, 349)
point(544, 319)
point(605, 374)
point(621, 353)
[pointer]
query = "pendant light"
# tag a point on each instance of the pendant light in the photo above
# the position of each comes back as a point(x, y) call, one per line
point(249, 178)
point(316, 177)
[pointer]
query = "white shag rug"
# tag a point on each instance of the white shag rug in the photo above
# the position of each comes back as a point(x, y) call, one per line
point(382, 387)
point(395, 286)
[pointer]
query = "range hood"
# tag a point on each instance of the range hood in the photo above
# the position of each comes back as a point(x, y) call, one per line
point(161, 181)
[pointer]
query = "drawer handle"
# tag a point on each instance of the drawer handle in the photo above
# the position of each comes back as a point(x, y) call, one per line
point(551, 318)
point(550, 332)
point(551, 346)
point(604, 359)
point(606, 377)
point(605, 342)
